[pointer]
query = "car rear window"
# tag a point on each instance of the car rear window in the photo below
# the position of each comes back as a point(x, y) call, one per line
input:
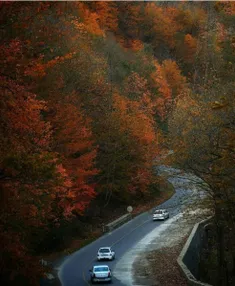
point(158, 212)
point(101, 269)
point(104, 250)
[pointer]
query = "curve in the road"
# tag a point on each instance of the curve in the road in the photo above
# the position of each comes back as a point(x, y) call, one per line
point(74, 271)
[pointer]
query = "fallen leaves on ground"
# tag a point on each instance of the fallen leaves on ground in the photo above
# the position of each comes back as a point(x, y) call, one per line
point(162, 268)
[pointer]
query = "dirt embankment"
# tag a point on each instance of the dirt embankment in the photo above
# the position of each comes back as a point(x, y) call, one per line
point(160, 256)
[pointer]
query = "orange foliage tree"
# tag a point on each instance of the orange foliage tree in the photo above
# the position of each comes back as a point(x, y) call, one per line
point(159, 25)
point(107, 14)
point(139, 126)
point(72, 140)
point(39, 184)
point(170, 83)
point(91, 111)
point(190, 48)
point(28, 177)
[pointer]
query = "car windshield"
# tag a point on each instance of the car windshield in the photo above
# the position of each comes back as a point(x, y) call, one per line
point(104, 250)
point(101, 269)
point(158, 212)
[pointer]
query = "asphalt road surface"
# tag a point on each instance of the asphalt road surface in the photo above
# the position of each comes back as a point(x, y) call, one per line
point(75, 270)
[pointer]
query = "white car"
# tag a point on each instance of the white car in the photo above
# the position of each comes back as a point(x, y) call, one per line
point(100, 273)
point(160, 214)
point(105, 253)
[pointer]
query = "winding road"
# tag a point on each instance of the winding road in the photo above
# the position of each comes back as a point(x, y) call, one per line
point(74, 271)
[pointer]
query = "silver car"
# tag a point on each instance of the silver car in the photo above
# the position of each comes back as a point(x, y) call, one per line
point(100, 273)
point(160, 214)
point(105, 253)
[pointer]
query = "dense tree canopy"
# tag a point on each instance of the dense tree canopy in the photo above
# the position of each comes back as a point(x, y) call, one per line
point(87, 91)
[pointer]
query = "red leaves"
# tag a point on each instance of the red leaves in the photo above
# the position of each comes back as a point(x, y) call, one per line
point(140, 182)
point(73, 141)
point(48, 147)
point(21, 114)
point(39, 68)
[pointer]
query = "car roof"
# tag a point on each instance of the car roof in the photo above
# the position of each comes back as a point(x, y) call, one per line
point(105, 247)
point(160, 210)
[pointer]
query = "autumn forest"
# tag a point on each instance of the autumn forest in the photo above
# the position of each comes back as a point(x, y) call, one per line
point(91, 94)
